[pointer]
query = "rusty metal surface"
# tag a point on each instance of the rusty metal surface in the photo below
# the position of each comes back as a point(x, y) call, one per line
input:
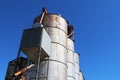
point(71, 32)
point(56, 27)
point(53, 20)
point(57, 35)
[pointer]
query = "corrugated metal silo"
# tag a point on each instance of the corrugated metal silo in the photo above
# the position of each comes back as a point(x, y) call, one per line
point(70, 60)
point(56, 26)
point(76, 62)
point(81, 76)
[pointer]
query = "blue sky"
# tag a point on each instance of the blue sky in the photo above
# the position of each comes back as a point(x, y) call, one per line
point(97, 32)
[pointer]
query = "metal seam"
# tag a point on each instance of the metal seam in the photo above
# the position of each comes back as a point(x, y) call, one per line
point(58, 15)
point(76, 73)
point(40, 77)
point(59, 44)
point(55, 27)
point(63, 46)
point(76, 63)
point(71, 76)
point(56, 61)
point(71, 63)
point(71, 50)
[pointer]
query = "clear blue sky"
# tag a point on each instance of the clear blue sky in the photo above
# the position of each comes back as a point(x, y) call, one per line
point(97, 32)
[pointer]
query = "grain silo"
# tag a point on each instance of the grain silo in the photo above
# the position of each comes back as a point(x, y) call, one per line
point(49, 47)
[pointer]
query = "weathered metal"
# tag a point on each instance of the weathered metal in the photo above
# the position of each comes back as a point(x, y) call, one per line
point(59, 53)
point(56, 27)
point(17, 64)
point(57, 71)
point(77, 77)
point(50, 46)
point(77, 68)
point(57, 35)
point(43, 72)
point(43, 14)
point(34, 39)
point(76, 58)
point(54, 20)
point(70, 44)
point(76, 62)
point(70, 60)
point(71, 71)
point(81, 76)
point(71, 32)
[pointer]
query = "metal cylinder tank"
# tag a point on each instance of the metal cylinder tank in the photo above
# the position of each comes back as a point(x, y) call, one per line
point(55, 21)
point(81, 76)
point(56, 26)
point(76, 62)
point(70, 44)
point(70, 60)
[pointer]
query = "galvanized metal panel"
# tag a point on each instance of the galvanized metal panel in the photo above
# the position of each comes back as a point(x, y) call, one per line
point(70, 44)
point(70, 59)
point(57, 35)
point(34, 39)
point(77, 77)
point(32, 53)
point(56, 27)
point(81, 76)
point(59, 53)
point(71, 70)
point(76, 58)
point(31, 38)
point(46, 42)
point(57, 71)
point(54, 71)
point(70, 78)
point(76, 62)
point(77, 68)
point(70, 56)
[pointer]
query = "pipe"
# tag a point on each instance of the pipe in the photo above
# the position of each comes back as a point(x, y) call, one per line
point(23, 70)
point(43, 14)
